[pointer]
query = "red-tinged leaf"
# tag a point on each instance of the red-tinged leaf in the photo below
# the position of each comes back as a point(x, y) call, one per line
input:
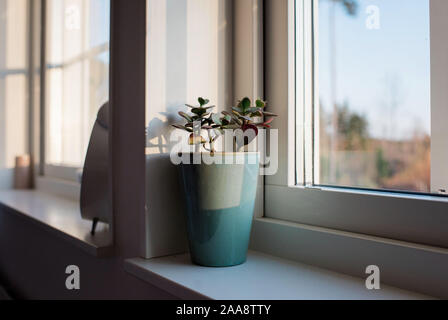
point(249, 127)
point(269, 121)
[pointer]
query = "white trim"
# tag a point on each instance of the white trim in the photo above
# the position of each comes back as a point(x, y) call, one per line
point(404, 265)
point(72, 174)
point(439, 95)
point(60, 180)
point(59, 187)
point(281, 280)
point(279, 85)
point(389, 215)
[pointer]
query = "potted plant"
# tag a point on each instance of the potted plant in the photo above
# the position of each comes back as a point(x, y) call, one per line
point(220, 197)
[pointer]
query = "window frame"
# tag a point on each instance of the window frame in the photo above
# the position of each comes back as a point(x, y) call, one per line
point(392, 215)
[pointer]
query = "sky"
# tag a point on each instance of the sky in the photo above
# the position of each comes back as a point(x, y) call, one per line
point(376, 67)
point(99, 22)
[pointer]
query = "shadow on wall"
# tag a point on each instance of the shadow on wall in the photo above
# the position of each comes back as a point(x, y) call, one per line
point(158, 131)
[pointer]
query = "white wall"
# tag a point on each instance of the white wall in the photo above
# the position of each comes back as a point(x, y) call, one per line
point(439, 96)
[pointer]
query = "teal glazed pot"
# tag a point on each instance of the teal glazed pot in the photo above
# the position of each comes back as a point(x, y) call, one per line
point(219, 204)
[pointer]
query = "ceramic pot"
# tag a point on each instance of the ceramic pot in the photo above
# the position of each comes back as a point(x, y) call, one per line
point(219, 205)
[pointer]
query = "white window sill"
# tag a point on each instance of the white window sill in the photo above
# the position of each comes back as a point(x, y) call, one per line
point(59, 216)
point(263, 277)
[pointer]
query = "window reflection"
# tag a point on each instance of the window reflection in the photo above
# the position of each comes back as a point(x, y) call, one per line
point(77, 75)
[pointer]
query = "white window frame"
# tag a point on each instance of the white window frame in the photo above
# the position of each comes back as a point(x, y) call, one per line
point(406, 217)
point(344, 230)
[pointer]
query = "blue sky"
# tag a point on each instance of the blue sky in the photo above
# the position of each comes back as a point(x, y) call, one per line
point(370, 63)
point(99, 22)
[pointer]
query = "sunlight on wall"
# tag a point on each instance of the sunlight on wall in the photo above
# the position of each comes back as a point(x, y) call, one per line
point(189, 54)
point(13, 86)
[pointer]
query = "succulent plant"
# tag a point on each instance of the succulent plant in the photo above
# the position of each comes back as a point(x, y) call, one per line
point(198, 120)
point(243, 117)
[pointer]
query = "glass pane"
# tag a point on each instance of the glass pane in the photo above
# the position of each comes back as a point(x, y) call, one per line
point(77, 75)
point(374, 79)
point(99, 17)
point(13, 87)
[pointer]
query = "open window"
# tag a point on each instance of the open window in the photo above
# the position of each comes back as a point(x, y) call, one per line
point(364, 147)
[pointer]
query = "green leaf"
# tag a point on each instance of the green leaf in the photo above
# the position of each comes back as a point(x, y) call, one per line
point(245, 118)
point(253, 110)
point(216, 119)
point(228, 118)
point(245, 104)
point(239, 110)
point(182, 128)
point(260, 103)
point(257, 114)
point(233, 116)
point(185, 116)
point(203, 101)
point(199, 111)
point(269, 114)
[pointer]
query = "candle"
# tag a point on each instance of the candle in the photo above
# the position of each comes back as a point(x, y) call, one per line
point(22, 172)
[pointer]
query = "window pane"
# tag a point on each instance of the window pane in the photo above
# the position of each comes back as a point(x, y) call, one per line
point(77, 75)
point(373, 77)
point(13, 87)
